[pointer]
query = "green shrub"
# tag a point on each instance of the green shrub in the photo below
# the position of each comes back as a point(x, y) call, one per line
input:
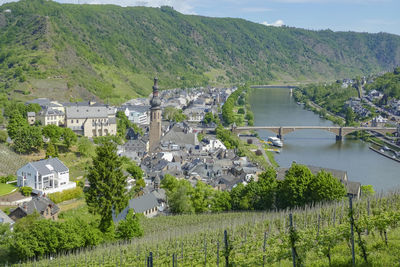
point(66, 195)
point(3, 136)
point(26, 190)
point(8, 178)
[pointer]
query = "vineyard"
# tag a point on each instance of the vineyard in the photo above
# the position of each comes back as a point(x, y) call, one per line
point(319, 236)
point(9, 161)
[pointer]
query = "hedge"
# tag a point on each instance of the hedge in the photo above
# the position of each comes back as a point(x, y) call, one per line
point(66, 195)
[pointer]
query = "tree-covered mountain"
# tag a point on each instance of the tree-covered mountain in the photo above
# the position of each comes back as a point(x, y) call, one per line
point(68, 51)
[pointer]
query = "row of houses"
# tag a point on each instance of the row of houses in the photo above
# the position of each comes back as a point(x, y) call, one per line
point(89, 119)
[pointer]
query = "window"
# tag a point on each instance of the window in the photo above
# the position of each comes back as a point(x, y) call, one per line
point(76, 121)
point(72, 121)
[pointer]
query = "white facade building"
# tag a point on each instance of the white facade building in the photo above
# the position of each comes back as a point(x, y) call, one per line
point(137, 114)
point(214, 144)
point(91, 121)
point(51, 116)
point(45, 176)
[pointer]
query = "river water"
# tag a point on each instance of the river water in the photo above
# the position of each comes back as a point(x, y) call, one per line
point(275, 107)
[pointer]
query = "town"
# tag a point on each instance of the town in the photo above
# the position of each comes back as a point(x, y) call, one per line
point(169, 138)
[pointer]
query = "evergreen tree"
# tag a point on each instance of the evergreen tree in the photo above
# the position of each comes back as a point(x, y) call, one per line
point(107, 192)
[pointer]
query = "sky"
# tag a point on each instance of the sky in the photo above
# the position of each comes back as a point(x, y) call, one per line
point(338, 15)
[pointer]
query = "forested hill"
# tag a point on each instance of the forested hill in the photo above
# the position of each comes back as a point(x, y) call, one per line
point(63, 50)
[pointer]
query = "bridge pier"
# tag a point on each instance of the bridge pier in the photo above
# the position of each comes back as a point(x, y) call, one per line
point(339, 137)
point(280, 133)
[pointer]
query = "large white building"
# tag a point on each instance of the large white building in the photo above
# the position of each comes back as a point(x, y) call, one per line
point(138, 114)
point(51, 116)
point(45, 176)
point(91, 121)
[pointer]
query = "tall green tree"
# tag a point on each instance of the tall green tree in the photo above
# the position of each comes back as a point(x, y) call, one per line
point(69, 137)
point(169, 183)
point(15, 123)
point(173, 114)
point(294, 190)
point(107, 192)
point(135, 171)
point(325, 187)
point(130, 227)
point(53, 132)
point(221, 201)
point(179, 200)
point(267, 186)
point(27, 138)
point(85, 147)
point(51, 150)
point(201, 197)
point(350, 116)
point(123, 124)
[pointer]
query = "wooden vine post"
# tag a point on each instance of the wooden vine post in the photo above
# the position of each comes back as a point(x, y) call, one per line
point(352, 230)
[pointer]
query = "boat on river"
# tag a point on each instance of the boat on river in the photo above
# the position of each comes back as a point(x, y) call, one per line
point(275, 141)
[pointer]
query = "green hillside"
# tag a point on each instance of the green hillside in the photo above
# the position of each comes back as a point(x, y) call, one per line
point(75, 51)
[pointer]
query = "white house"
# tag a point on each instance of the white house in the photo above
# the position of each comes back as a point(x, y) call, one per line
point(51, 116)
point(45, 176)
point(213, 144)
point(91, 121)
point(138, 114)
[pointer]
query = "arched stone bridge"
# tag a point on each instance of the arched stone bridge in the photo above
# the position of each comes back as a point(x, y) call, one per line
point(338, 131)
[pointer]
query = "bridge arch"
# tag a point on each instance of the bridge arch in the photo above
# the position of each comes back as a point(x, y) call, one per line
point(280, 131)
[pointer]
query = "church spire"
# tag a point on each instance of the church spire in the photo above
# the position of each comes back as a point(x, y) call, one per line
point(155, 101)
point(156, 116)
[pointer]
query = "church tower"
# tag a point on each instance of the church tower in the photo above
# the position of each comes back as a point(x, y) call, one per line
point(155, 120)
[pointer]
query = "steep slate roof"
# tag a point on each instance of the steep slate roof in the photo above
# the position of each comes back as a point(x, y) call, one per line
point(50, 112)
point(43, 102)
point(82, 112)
point(139, 205)
point(4, 218)
point(178, 136)
point(135, 145)
point(41, 167)
point(40, 204)
point(353, 188)
point(31, 114)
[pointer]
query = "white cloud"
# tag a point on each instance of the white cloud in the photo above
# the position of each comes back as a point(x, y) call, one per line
point(277, 23)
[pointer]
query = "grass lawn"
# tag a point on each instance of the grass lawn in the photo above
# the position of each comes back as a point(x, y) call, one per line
point(6, 189)
point(72, 204)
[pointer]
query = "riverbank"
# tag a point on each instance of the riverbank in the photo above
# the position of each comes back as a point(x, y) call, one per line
point(384, 154)
point(318, 147)
point(337, 119)
point(237, 110)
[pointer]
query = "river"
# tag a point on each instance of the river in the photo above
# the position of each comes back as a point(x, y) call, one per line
point(275, 107)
